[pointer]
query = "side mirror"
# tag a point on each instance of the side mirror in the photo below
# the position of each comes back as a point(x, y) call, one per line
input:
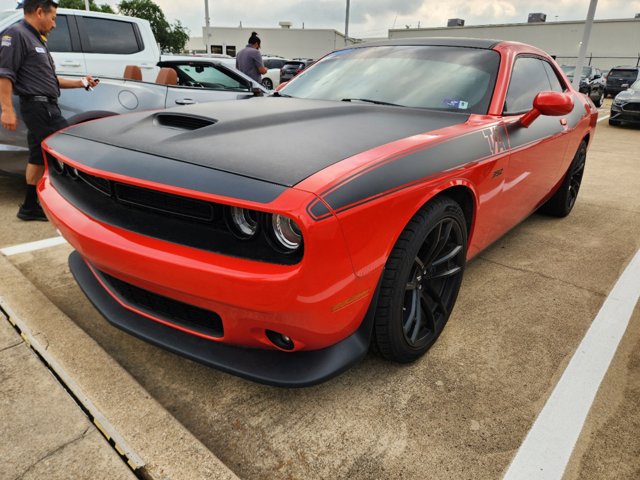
point(596, 76)
point(548, 103)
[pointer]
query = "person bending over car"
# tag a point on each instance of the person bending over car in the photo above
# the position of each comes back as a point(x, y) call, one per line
point(26, 68)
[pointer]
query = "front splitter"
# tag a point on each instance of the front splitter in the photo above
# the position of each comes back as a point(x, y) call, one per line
point(271, 367)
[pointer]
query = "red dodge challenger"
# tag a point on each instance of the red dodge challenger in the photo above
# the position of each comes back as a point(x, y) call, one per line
point(280, 238)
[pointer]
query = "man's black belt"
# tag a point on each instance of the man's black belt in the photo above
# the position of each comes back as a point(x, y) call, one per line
point(38, 98)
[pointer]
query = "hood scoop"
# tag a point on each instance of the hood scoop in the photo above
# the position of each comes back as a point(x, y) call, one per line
point(183, 122)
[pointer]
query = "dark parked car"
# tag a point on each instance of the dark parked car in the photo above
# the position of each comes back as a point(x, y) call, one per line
point(620, 78)
point(292, 68)
point(591, 82)
point(626, 106)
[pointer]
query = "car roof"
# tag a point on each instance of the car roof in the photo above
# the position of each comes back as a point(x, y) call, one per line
point(436, 41)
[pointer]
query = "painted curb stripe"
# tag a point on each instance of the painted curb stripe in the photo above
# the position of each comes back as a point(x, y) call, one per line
point(33, 246)
point(546, 450)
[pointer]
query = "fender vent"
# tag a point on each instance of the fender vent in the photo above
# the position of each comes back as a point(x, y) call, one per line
point(183, 122)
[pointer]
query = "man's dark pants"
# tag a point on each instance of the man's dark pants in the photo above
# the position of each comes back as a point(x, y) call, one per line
point(42, 118)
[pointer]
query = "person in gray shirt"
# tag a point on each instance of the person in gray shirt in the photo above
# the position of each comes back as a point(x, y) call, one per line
point(249, 59)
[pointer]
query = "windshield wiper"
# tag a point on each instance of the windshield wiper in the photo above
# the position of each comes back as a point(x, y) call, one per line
point(368, 100)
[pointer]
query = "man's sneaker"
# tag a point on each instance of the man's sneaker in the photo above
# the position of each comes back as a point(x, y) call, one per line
point(33, 213)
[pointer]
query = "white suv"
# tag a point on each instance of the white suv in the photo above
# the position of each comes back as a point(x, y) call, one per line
point(271, 79)
point(100, 44)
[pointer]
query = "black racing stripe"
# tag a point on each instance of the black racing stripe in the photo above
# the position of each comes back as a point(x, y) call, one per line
point(389, 176)
point(318, 210)
point(162, 170)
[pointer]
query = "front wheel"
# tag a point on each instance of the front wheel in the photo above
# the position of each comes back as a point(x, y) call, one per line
point(562, 202)
point(421, 281)
point(267, 83)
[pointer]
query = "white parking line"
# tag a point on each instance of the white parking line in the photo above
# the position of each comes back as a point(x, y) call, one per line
point(603, 118)
point(546, 450)
point(32, 246)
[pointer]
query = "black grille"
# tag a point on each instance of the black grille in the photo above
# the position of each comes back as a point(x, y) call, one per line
point(164, 202)
point(172, 311)
point(184, 122)
point(632, 107)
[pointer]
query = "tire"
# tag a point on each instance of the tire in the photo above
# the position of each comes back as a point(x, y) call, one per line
point(562, 202)
point(615, 123)
point(421, 281)
point(267, 83)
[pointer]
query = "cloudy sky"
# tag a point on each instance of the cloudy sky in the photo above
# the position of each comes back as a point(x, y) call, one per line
point(371, 18)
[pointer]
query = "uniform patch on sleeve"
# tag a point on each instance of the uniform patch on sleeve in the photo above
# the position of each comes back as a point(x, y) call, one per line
point(6, 41)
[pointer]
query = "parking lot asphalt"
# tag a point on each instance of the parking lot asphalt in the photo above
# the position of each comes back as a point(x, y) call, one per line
point(462, 411)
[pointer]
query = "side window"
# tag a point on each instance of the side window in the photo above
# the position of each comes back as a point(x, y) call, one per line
point(111, 36)
point(59, 39)
point(527, 80)
point(554, 81)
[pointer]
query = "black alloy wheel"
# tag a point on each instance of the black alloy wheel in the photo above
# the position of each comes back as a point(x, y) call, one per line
point(563, 201)
point(267, 83)
point(421, 281)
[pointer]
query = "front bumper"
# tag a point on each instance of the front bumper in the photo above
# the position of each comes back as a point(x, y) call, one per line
point(272, 367)
point(628, 113)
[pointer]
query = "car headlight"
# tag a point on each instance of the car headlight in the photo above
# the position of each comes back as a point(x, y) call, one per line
point(285, 234)
point(619, 101)
point(242, 222)
point(57, 165)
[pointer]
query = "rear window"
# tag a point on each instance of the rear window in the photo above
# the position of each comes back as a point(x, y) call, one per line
point(626, 74)
point(111, 36)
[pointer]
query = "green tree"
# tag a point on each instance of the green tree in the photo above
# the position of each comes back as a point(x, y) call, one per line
point(171, 38)
point(80, 5)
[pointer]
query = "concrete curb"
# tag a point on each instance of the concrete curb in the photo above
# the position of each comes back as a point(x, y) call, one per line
point(154, 443)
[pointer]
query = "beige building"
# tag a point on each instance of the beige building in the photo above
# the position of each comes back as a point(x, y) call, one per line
point(613, 42)
point(284, 41)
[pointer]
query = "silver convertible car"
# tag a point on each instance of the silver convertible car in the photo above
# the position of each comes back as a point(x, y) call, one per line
point(181, 81)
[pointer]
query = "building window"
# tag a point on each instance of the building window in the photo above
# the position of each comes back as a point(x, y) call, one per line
point(216, 49)
point(231, 50)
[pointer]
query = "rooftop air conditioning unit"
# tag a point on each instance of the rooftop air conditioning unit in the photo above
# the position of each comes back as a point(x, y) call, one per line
point(285, 24)
point(455, 22)
point(537, 17)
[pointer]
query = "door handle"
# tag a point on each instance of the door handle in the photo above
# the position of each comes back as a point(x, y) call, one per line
point(185, 101)
point(70, 63)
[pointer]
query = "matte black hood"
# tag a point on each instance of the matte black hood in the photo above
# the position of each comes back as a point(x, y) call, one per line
point(275, 139)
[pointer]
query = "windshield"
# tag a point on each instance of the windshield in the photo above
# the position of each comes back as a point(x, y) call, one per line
point(624, 74)
point(440, 78)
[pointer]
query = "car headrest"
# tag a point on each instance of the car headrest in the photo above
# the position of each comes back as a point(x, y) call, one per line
point(132, 72)
point(167, 76)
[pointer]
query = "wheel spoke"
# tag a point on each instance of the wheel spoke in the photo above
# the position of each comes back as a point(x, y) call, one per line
point(435, 296)
point(413, 313)
point(448, 256)
point(418, 325)
point(440, 241)
point(429, 312)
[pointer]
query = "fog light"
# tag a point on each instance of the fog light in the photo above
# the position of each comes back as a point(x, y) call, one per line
point(279, 340)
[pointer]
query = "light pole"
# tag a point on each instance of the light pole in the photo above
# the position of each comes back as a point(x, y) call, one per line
point(206, 23)
point(86, 5)
point(577, 74)
point(346, 26)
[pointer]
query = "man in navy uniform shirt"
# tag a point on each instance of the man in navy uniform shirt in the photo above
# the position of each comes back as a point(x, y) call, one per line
point(27, 69)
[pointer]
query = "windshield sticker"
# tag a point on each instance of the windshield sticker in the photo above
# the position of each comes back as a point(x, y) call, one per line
point(452, 103)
